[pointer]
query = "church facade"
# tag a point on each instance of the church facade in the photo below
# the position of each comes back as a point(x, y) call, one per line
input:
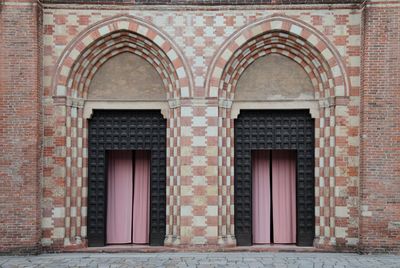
point(200, 123)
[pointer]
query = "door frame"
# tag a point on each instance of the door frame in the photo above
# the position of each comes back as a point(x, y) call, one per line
point(126, 130)
point(273, 130)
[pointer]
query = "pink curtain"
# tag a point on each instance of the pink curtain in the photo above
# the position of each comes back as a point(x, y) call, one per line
point(119, 204)
point(284, 196)
point(261, 197)
point(141, 198)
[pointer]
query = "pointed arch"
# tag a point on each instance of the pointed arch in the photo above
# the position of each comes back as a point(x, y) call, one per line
point(300, 37)
point(81, 58)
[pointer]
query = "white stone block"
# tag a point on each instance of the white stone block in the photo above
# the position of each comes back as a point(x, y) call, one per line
point(212, 131)
point(211, 111)
point(212, 211)
point(58, 232)
point(340, 232)
point(212, 231)
point(47, 222)
point(186, 111)
point(142, 30)
point(58, 212)
point(341, 212)
point(186, 211)
point(276, 25)
point(296, 29)
point(199, 221)
point(181, 72)
point(199, 121)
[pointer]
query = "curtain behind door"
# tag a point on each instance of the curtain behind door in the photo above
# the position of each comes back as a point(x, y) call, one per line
point(141, 198)
point(261, 197)
point(119, 197)
point(284, 196)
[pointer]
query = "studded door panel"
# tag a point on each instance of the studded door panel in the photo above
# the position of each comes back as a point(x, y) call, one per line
point(126, 130)
point(273, 129)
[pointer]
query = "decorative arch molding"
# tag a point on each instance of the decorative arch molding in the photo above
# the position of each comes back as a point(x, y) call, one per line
point(276, 43)
point(303, 34)
point(99, 37)
point(318, 57)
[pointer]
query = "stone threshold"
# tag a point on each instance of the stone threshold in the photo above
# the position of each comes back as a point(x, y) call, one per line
point(198, 249)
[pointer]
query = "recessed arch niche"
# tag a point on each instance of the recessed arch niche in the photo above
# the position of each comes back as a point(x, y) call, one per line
point(127, 76)
point(274, 77)
point(270, 78)
point(121, 98)
point(300, 61)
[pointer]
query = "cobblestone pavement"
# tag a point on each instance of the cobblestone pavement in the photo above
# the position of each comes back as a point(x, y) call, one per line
point(236, 259)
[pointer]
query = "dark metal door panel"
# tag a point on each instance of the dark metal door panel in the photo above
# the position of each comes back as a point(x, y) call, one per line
point(126, 130)
point(273, 130)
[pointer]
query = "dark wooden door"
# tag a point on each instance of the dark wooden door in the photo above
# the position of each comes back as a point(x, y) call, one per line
point(126, 130)
point(272, 130)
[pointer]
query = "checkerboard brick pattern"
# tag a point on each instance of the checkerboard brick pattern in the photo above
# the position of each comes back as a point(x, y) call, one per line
point(199, 192)
point(200, 141)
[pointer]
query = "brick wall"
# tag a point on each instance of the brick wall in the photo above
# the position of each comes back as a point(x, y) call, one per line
point(19, 124)
point(380, 173)
point(337, 224)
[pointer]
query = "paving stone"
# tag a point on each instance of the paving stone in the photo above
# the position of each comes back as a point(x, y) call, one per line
point(206, 260)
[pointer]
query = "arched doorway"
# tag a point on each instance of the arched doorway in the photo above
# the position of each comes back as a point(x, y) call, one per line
point(274, 155)
point(137, 133)
point(306, 48)
point(80, 62)
point(127, 154)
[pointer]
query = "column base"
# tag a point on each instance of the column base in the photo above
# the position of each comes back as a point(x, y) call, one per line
point(227, 241)
point(172, 240)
